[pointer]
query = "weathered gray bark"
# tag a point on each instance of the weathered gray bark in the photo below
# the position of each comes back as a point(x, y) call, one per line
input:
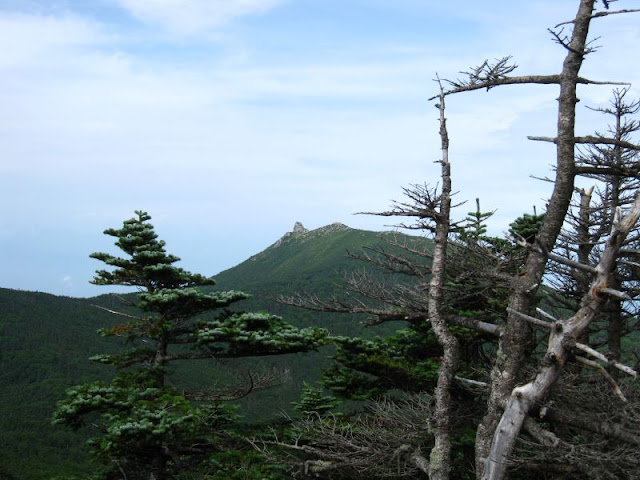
point(440, 458)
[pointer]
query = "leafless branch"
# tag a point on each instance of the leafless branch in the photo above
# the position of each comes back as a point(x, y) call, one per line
point(544, 437)
point(590, 140)
point(114, 312)
point(385, 442)
point(605, 374)
point(247, 383)
point(473, 383)
point(594, 353)
point(530, 319)
point(602, 14)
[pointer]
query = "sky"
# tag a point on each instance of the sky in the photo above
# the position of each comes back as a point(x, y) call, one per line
point(230, 120)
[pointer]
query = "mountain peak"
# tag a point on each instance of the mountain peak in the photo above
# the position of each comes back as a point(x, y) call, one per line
point(299, 228)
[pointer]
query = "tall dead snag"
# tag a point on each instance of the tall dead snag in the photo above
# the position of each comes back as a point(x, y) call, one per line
point(615, 170)
point(520, 400)
point(440, 458)
point(433, 211)
point(591, 274)
point(618, 168)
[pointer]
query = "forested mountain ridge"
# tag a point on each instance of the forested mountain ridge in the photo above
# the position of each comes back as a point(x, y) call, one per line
point(45, 341)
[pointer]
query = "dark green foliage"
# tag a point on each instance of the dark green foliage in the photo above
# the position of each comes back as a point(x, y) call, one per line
point(148, 265)
point(139, 421)
point(477, 268)
point(474, 228)
point(242, 463)
point(313, 401)
point(148, 426)
point(254, 335)
point(365, 369)
point(527, 226)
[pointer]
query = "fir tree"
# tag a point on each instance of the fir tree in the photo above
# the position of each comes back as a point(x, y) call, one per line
point(313, 401)
point(150, 429)
point(527, 226)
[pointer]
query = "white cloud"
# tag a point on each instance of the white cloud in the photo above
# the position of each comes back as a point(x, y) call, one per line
point(42, 41)
point(194, 16)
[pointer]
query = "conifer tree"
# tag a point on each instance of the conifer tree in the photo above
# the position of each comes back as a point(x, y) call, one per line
point(313, 401)
point(150, 429)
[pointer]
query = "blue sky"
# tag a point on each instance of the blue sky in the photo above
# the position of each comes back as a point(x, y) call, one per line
point(230, 120)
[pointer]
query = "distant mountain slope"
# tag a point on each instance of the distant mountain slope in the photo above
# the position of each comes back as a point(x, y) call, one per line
point(302, 260)
point(45, 342)
point(298, 256)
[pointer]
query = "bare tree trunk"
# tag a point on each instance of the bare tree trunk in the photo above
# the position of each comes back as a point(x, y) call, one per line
point(440, 458)
point(585, 246)
point(561, 343)
point(513, 341)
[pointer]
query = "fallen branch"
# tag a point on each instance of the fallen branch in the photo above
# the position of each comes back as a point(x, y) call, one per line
point(613, 363)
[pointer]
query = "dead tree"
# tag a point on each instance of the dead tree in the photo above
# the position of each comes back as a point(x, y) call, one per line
point(615, 172)
point(435, 208)
point(421, 301)
point(431, 210)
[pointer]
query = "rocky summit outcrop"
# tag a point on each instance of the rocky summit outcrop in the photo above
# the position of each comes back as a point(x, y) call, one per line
point(299, 228)
point(299, 231)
